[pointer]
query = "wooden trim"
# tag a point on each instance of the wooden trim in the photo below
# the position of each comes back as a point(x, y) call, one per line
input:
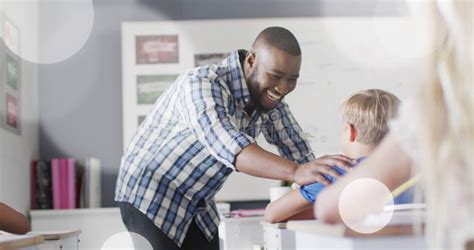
point(281, 225)
point(8, 242)
point(57, 235)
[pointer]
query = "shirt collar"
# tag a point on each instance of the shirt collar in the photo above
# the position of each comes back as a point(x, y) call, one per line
point(360, 159)
point(237, 83)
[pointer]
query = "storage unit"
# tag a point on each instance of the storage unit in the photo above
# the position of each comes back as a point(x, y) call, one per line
point(240, 233)
point(59, 240)
point(97, 225)
point(277, 237)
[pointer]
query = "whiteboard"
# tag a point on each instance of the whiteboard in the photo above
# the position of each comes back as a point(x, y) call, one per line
point(340, 57)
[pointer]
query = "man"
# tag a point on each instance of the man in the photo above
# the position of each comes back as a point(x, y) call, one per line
point(202, 129)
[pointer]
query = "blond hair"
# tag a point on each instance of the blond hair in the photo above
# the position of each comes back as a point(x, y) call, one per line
point(447, 115)
point(370, 111)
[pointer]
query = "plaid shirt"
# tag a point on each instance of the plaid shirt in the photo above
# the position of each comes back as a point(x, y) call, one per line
point(186, 147)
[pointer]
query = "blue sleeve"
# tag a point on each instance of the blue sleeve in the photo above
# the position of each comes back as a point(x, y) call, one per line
point(311, 191)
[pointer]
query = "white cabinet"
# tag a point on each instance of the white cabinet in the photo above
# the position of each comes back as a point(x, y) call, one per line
point(277, 237)
point(63, 244)
point(96, 225)
point(240, 233)
point(58, 240)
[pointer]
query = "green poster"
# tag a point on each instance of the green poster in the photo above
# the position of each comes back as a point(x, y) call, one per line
point(150, 87)
point(11, 65)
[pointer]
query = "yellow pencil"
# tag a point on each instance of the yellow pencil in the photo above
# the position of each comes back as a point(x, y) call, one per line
point(405, 186)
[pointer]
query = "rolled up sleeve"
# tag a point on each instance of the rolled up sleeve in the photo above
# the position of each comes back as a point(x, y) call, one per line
point(283, 131)
point(311, 191)
point(207, 112)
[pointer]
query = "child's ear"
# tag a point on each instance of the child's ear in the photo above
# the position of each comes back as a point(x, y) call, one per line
point(352, 133)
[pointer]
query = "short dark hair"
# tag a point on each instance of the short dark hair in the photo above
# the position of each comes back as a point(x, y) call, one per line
point(280, 38)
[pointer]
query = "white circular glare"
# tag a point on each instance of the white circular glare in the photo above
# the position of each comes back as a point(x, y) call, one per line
point(361, 205)
point(126, 241)
point(46, 31)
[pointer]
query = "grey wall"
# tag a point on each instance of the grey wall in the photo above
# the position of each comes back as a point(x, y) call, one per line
point(80, 98)
point(17, 150)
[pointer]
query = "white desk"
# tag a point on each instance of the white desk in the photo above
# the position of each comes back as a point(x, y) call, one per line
point(316, 235)
point(313, 234)
point(240, 233)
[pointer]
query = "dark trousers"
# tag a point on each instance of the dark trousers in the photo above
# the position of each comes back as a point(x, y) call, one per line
point(137, 222)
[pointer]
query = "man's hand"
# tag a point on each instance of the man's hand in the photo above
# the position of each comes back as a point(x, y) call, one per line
point(313, 171)
point(255, 161)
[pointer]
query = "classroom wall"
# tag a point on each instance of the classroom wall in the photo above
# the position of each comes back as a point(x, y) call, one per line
point(80, 98)
point(16, 151)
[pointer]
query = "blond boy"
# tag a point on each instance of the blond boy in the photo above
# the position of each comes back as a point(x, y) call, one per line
point(365, 117)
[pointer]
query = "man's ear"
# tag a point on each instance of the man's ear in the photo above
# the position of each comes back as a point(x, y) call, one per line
point(352, 133)
point(250, 59)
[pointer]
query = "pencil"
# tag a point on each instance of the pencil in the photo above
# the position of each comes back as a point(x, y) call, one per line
point(405, 186)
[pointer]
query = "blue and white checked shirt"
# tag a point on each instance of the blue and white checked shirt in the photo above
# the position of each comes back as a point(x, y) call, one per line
point(186, 147)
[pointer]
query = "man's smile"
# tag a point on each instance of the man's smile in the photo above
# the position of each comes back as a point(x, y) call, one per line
point(273, 95)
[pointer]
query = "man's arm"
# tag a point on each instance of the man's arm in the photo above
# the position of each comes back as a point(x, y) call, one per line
point(208, 115)
point(298, 165)
point(286, 207)
point(254, 160)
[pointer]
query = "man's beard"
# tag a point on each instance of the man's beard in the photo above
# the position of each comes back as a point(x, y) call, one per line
point(255, 93)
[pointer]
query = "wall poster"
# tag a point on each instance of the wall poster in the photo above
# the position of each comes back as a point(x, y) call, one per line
point(157, 49)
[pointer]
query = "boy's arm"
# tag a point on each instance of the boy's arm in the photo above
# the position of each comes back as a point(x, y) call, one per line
point(285, 207)
point(307, 214)
point(388, 164)
point(12, 221)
